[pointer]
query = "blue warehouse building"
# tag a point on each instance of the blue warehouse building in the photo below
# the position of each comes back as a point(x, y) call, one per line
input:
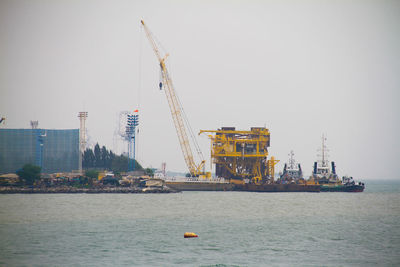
point(53, 150)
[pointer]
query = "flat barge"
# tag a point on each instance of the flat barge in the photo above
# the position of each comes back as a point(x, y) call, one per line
point(199, 186)
point(277, 188)
point(223, 186)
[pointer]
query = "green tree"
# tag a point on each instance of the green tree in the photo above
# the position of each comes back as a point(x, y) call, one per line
point(93, 174)
point(97, 156)
point(119, 164)
point(101, 158)
point(149, 172)
point(110, 160)
point(29, 173)
point(88, 159)
point(105, 157)
point(138, 167)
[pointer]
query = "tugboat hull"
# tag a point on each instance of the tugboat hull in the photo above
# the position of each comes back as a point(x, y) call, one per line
point(342, 188)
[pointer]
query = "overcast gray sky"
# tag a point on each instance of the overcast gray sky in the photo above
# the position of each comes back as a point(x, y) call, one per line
point(302, 68)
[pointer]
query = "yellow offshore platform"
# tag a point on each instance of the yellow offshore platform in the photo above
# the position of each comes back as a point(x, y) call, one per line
point(241, 156)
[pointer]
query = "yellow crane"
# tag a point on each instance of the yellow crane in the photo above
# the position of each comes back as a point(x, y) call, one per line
point(176, 111)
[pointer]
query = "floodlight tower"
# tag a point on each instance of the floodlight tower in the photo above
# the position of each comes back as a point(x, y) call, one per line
point(163, 169)
point(39, 148)
point(132, 123)
point(34, 124)
point(82, 136)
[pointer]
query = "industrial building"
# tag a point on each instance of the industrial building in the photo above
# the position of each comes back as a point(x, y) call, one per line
point(52, 150)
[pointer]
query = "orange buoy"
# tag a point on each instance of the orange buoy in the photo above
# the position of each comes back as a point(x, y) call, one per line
point(189, 235)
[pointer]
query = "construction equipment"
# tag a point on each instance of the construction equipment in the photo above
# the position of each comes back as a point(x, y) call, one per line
point(177, 112)
point(242, 155)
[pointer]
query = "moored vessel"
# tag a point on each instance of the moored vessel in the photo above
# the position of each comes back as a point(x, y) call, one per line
point(292, 172)
point(324, 174)
point(346, 185)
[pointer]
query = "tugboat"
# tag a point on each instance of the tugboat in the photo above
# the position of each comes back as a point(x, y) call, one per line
point(292, 172)
point(325, 175)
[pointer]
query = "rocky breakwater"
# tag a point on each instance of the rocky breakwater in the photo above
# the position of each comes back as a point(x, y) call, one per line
point(76, 190)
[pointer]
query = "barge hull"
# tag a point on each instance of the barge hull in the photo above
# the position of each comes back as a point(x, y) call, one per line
point(277, 188)
point(204, 186)
point(200, 186)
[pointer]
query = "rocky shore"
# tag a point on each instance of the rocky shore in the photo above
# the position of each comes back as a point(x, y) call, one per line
point(75, 190)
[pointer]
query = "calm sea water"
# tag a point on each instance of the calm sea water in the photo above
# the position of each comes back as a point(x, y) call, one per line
point(234, 228)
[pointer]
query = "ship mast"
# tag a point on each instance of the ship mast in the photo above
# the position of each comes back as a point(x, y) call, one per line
point(291, 160)
point(324, 160)
point(323, 150)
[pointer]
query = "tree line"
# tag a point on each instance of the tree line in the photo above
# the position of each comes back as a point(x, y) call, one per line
point(102, 158)
point(93, 160)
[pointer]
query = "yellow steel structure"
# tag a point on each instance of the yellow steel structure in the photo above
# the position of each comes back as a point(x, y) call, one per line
point(176, 110)
point(242, 154)
point(271, 167)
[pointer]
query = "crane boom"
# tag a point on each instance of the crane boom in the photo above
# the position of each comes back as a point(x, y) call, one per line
point(175, 108)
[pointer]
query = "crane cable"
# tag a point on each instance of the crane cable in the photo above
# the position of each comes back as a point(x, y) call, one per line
point(185, 118)
point(139, 88)
point(192, 136)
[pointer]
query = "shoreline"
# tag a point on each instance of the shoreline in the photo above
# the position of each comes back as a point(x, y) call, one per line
point(74, 190)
